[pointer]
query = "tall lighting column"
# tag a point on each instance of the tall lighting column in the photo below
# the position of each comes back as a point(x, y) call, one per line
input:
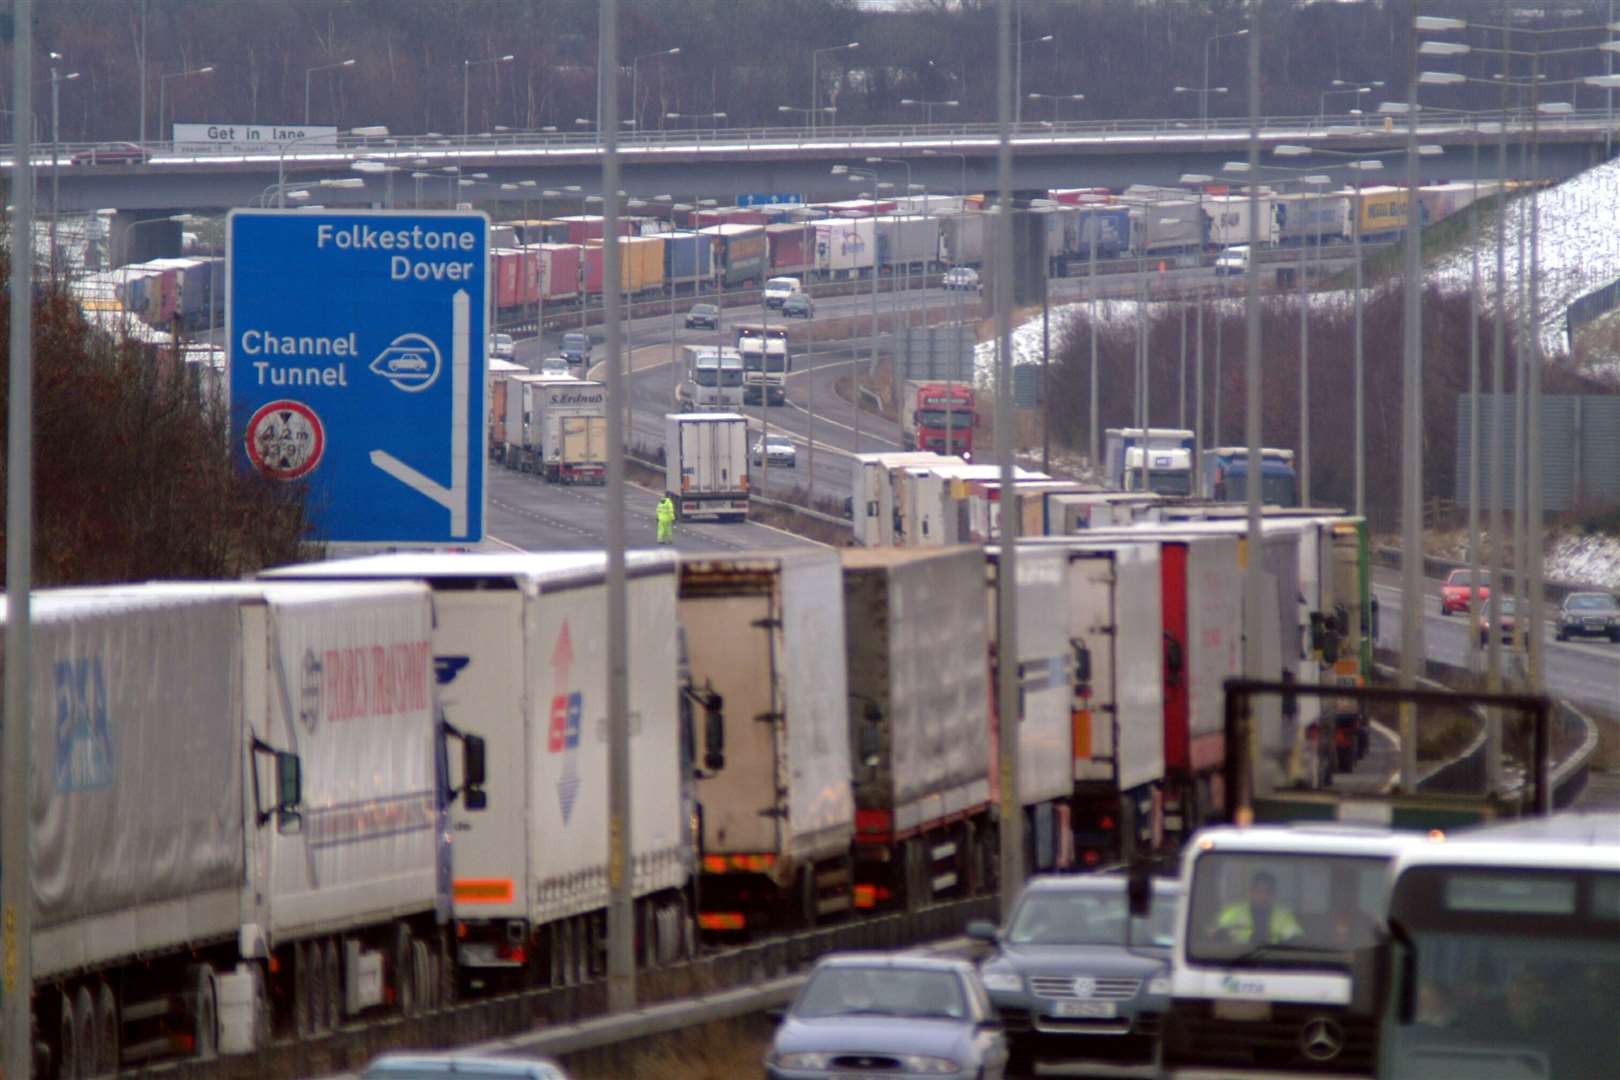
point(1012, 808)
point(1253, 581)
point(621, 923)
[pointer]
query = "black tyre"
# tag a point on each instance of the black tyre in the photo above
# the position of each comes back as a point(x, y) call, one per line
point(69, 1065)
point(107, 1033)
point(205, 1013)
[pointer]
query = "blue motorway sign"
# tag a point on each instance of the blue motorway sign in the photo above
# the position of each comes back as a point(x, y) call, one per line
point(357, 363)
point(770, 199)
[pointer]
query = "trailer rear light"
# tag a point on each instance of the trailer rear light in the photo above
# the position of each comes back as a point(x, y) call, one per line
point(714, 864)
point(865, 896)
point(517, 954)
point(461, 930)
point(720, 920)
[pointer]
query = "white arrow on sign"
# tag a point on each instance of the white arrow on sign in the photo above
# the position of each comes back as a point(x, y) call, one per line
point(454, 497)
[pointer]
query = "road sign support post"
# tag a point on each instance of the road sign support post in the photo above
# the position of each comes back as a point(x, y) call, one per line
point(16, 882)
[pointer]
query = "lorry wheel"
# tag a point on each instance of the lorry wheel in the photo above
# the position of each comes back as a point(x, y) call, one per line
point(317, 989)
point(67, 1042)
point(404, 970)
point(106, 1032)
point(424, 977)
point(303, 990)
point(807, 896)
point(205, 1013)
point(331, 961)
point(85, 1031)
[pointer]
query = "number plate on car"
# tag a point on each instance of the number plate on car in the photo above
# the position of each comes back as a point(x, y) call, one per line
point(1089, 1010)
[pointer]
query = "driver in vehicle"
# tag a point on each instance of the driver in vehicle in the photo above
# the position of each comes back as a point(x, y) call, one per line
point(1258, 919)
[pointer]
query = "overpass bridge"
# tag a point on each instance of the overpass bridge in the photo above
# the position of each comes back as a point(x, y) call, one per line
point(722, 162)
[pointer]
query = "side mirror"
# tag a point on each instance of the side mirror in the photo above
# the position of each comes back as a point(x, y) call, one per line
point(289, 792)
point(472, 767)
point(472, 760)
point(1173, 661)
point(1318, 631)
point(1374, 634)
point(1139, 889)
point(983, 930)
point(1290, 700)
point(1368, 967)
point(714, 734)
point(1082, 664)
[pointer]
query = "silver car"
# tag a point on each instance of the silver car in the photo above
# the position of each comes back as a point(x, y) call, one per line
point(1066, 984)
point(414, 1066)
point(895, 1014)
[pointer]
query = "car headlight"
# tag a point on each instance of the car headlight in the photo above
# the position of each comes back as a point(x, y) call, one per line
point(929, 1066)
point(803, 1060)
point(1159, 985)
point(1006, 982)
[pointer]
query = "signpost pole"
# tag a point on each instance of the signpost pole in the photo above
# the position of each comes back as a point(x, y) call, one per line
point(621, 915)
point(16, 881)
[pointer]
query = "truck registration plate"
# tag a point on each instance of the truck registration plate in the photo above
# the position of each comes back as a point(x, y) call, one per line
point(1089, 1010)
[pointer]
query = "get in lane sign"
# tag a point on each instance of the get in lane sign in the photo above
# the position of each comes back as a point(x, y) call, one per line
point(357, 357)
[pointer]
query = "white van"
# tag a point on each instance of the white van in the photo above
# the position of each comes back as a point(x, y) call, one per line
point(1234, 260)
point(778, 289)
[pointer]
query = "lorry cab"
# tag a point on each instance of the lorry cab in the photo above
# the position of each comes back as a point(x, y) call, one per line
point(1169, 471)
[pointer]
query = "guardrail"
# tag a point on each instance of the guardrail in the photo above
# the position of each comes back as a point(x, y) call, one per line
point(1481, 124)
point(524, 1013)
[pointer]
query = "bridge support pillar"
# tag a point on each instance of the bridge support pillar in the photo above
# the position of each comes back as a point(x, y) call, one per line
point(128, 244)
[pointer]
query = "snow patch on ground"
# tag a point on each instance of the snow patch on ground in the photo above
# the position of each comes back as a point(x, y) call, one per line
point(1571, 556)
point(1579, 249)
point(1584, 559)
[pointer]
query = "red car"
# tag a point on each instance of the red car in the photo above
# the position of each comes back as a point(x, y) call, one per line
point(118, 153)
point(1454, 593)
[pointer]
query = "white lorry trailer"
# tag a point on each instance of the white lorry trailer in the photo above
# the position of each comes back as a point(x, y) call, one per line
point(1046, 725)
point(568, 416)
point(517, 640)
point(1121, 659)
point(765, 632)
point(872, 502)
point(916, 641)
point(520, 453)
point(706, 464)
point(287, 889)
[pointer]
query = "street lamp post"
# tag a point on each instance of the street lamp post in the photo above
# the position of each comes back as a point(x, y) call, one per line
point(809, 113)
point(962, 186)
point(635, 82)
point(466, 83)
point(163, 89)
point(815, 85)
point(310, 71)
point(1200, 180)
point(929, 107)
point(56, 85)
point(1056, 100)
point(372, 131)
point(714, 119)
point(1203, 98)
point(1018, 76)
point(1321, 111)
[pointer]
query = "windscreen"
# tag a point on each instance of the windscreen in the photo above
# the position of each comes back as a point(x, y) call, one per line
point(937, 418)
point(1517, 974)
point(1170, 483)
point(1592, 602)
point(1090, 918)
point(706, 376)
point(858, 991)
point(1282, 909)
